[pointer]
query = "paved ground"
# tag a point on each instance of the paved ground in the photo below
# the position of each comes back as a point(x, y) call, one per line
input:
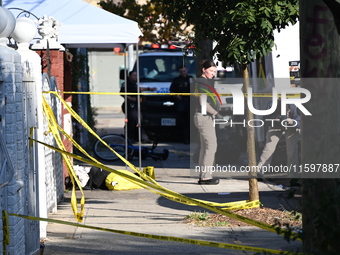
point(145, 212)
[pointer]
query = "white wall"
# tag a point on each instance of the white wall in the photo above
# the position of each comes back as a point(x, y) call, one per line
point(18, 196)
point(31, 181)
point(104, 77)
point(287, 48)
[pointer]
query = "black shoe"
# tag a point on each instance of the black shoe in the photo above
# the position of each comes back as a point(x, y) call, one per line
point(209, 182)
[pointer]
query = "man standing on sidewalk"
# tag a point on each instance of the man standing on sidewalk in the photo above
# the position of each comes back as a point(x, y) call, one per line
point(289, 125)
point(132, 108)
point(181, 84)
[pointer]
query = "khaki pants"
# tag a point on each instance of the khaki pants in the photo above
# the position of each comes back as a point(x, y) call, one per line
point(205, 126)
point(292, 136)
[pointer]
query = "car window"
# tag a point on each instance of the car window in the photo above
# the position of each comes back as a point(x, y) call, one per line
point(163, 68)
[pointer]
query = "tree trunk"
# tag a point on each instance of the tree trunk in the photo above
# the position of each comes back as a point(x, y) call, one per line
point(251, 152)
point(320, 133)
point(203, 51)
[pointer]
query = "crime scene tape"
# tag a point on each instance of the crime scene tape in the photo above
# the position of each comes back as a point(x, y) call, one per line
point(230, 205)
point(178, 197)
point(156, 186)
point(84, 124)
point(238, 205)
point(165, 94)
point(6, 231)
point(159, 237)
point(54, 127)
point(54, 130)
point(77, 117)
point(134, 179)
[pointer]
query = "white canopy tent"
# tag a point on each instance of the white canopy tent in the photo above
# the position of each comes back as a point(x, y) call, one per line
point(83, 25)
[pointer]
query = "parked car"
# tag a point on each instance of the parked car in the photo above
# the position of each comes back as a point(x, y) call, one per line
point(158, 69)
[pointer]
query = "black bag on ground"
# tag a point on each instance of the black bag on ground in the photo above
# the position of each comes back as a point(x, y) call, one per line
point(97, 178)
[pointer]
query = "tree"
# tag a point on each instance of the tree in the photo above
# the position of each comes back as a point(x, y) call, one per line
point(320, 140)
point(154, 26)
point(243, 31)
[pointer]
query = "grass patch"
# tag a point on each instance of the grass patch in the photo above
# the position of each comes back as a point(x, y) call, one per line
point(203, 219)
point(197, 216)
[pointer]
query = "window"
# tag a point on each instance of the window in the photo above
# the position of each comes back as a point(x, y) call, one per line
point(163, 68)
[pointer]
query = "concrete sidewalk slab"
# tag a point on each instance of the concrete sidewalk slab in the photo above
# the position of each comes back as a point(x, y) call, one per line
point(145, 212)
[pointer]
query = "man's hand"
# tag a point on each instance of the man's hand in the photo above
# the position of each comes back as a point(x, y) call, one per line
point(290, 121)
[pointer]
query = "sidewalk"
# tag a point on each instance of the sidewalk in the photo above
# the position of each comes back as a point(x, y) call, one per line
point(145, 212)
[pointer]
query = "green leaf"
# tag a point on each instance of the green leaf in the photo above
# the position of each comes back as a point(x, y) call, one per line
point(240, 26)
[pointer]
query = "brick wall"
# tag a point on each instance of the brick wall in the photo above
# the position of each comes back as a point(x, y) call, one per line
point(57, 70)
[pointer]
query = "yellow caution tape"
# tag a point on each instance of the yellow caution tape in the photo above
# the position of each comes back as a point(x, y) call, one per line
point(149, 171)
point(163, 238)
point(158, 189)
point(146, 177)
point(6, 240)
point(245, 205)
point(164, 94)
point(84, 124)
point(73, 176)
point(74, 179)
point(177, 195)
point(31, 135)
point(142, 174)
